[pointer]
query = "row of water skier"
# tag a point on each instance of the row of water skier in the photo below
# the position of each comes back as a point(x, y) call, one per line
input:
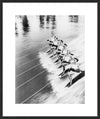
point(68, 61)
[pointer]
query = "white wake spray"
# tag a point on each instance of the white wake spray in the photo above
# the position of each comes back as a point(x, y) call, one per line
point(63, 95)
point(56, 83)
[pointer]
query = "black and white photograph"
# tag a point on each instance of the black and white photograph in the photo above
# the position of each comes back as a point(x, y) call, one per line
point(50, 59)
point(50, 66)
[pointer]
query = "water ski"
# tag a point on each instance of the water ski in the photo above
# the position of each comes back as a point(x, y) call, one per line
point(53, 55)
point(56, 61)
point(63, 75)
point(59, 59)
point(78, 77)
point(60, 66)
point(49, 51)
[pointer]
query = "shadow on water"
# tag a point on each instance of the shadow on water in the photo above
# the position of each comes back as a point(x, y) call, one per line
point(25, 25)
point(16, 29)
point(41, 18)
point(53, 19)
point(50, 21)
point(73, 18)
point(78, 77)
point(47, 21)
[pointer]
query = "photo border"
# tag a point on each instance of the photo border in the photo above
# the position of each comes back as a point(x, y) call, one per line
point(1, 54)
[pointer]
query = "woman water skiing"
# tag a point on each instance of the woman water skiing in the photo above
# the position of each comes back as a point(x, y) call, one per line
point(72, 65)
point(52, 42)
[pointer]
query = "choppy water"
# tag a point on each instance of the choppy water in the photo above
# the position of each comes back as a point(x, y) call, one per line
point(33, 73)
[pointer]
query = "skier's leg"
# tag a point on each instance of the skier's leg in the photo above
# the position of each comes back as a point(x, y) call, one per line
point(51, 47)
point(70, 79)
point(76, 70)
point(58, 59)
point(63, 71)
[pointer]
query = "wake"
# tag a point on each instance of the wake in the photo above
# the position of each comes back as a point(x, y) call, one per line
point(71, 95)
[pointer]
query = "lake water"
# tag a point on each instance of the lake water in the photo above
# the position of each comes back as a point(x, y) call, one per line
point(31, 34)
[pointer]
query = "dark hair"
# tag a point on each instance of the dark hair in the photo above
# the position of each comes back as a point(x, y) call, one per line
point(62, 41)
point(65, 44)
point(76, 59)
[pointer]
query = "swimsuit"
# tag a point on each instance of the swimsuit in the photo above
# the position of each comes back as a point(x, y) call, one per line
point(61, 47)
point(67, 58)
point(64, 52)
point(55, 42)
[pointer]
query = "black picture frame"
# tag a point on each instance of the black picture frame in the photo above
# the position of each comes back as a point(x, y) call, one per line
point(2, 60)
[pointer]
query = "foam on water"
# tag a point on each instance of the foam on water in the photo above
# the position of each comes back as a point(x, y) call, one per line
point(62, 95)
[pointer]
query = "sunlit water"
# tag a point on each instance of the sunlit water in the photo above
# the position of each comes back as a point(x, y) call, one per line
point(37, 78)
